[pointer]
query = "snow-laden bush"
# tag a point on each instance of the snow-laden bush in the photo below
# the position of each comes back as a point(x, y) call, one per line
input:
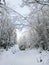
point(26, 40)
point(37, 37)
point(42, 30)
point(7, 34)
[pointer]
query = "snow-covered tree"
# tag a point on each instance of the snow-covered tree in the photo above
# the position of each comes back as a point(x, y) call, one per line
point(38, 20)
point(7, 28)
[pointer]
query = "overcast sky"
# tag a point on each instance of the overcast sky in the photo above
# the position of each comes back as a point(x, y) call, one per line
point(15, 4)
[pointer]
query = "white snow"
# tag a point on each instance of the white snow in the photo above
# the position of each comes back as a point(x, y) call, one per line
point(28, 57)
point(16, 57)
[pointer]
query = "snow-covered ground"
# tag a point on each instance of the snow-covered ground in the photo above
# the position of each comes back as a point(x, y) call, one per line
point(28, 57)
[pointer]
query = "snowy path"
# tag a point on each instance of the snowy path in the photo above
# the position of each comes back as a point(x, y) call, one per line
point(29, 57)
